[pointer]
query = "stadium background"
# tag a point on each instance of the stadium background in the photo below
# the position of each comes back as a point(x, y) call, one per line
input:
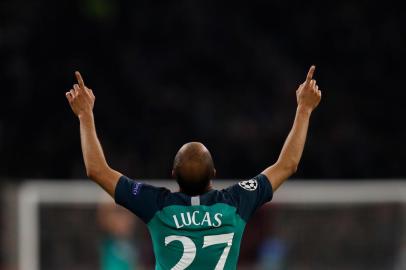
point(221, 73)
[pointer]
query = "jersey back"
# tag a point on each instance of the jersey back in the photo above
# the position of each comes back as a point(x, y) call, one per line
point(200, 232)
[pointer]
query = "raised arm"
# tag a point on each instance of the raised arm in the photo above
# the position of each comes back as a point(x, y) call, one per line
point(308, 97)
point(81, 100)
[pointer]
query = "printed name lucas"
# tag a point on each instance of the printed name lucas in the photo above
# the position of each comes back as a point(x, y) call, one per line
point(197, 219)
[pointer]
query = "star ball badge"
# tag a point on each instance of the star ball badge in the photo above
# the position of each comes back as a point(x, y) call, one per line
point(249, 185)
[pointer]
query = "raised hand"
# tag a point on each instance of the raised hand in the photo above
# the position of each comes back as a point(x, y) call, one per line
point(308, 94)
point(81, 99)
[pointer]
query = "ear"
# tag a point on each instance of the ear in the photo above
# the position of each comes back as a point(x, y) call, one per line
point(214, 173)
point(173, 174)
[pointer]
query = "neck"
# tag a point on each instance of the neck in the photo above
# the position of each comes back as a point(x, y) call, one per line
point(207, 189)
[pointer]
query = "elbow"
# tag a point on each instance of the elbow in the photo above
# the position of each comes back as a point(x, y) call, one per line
point(290, 167)
point(97, 172)
point(92, 173)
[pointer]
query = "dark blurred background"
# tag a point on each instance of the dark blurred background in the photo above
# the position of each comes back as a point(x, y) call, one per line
point(224, 73)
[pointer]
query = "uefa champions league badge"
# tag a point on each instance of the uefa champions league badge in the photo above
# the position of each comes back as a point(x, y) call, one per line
point(249, 185)
point(136, 188)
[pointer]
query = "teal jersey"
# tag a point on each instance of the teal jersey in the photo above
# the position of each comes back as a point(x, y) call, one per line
point(195, 232)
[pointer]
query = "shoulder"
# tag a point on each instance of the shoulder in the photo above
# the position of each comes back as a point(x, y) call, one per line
point(248, 195)
point(250, 186)
point(142, 199)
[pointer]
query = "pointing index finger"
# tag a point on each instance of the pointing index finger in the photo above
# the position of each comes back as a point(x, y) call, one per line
point(80, 80)
point(309, 76)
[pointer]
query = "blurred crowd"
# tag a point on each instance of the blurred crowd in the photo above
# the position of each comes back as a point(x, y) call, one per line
point(221, 73)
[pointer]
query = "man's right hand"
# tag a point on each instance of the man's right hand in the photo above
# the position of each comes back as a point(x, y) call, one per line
point(81, 99)
point(308, 94)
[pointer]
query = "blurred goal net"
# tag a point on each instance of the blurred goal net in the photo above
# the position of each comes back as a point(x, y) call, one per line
point(309, 225)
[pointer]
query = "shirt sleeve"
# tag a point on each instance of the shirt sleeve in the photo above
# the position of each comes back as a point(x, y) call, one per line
point(142, 199)
point(251, 194)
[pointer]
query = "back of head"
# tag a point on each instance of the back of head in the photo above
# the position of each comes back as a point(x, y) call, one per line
point(193, 168)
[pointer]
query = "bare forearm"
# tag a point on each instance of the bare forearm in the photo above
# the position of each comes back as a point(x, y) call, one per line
point(92, 151)
point(97, 168)
point(308, 98)
point(81, 100)
point(292, 149)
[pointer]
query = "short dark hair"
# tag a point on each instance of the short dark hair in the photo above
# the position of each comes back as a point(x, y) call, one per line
point(193, 168)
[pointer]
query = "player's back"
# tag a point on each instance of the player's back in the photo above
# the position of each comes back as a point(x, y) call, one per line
point(200, 232)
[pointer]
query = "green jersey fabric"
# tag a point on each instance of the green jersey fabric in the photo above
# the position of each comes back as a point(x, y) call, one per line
point(200, 232)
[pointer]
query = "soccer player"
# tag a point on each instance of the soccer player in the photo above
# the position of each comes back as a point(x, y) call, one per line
point(197, 227)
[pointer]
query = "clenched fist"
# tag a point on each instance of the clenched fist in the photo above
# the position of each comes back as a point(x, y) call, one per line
point(308, 94)
point(81, 99)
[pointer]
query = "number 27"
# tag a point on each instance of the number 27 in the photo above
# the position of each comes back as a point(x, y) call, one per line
point(189, 248)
